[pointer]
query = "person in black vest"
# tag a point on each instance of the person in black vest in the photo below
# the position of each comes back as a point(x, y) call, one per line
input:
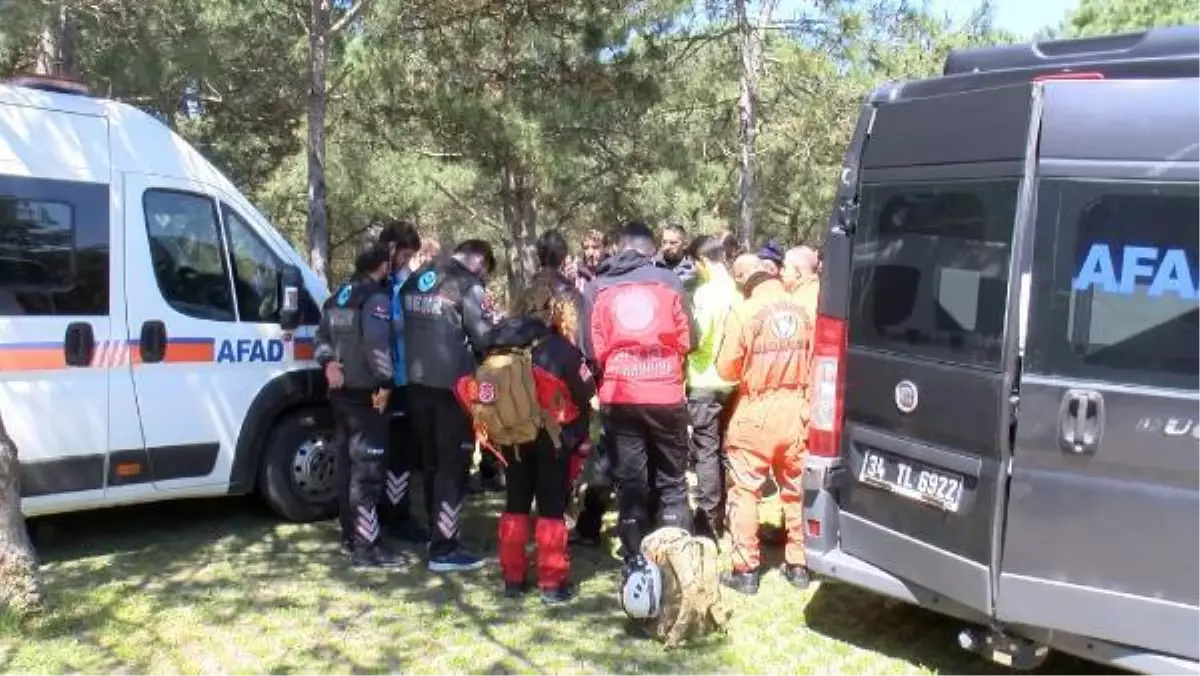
point(447, 324)
point(353, 346)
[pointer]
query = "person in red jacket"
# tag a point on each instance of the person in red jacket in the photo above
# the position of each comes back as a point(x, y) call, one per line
point(636, 328)
point(539, 470)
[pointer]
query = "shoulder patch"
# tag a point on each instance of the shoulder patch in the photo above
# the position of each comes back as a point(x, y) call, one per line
point(427, 281)
point(343, 296)
point(381, 310)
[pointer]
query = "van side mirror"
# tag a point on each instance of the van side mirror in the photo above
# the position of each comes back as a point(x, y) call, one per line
point(290, 283)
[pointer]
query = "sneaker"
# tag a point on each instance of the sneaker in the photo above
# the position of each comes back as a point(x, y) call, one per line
point(742, 583)
point(515, 590)
point(377, 556)
point(797, 575)
point(558, 595)
point(456, 561)
point(408, 530)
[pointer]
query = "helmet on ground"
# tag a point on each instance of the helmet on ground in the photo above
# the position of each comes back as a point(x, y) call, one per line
point(641, 591)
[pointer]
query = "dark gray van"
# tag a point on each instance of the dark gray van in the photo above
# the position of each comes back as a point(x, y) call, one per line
point(1006, 423)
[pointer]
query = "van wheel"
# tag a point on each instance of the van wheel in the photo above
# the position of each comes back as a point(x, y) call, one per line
point(299, 465)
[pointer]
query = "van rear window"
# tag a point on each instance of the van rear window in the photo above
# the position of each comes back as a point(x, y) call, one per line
point(1118, 300)
point(930, 271)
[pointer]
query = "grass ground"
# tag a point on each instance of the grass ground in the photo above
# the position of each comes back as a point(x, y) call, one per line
point(219, 587)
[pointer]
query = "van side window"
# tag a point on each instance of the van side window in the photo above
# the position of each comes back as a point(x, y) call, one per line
point(256, 270)
point(930, 269)
point(187, 254)
point(54, 252)
point(1120, 304)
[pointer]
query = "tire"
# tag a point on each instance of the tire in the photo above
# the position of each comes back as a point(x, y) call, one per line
point(293, 475)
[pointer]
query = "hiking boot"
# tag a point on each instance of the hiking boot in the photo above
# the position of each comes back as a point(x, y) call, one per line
point(515, 590)
point(457, 561)
point(376, 556)
point(798, 576)
point(742, 583)
point(558, 595)
point(408, 530)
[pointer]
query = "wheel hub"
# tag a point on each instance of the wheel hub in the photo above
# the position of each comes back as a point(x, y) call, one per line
point(314, 468)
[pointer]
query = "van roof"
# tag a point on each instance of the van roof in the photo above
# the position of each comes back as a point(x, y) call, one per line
point(137, 142)
point(1172, 52)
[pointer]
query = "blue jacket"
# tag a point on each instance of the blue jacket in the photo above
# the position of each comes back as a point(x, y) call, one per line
point(399, 371)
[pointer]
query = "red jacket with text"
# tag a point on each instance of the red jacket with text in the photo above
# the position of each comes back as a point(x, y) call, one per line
point(637, 329)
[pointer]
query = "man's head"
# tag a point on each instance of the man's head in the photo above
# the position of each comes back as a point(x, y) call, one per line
point(402, 241)
point(477, 256)
point(551, 250)
point(372, 262)
point(594, 245)
point(709, 254)
point(636, 236)
point(674, 243)
point(800, 263)
point(744, 267)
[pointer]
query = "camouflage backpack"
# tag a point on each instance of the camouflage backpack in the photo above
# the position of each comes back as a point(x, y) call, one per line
point(692, 606)
point(505, 407)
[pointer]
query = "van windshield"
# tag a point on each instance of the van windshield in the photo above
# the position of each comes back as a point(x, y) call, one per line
point(930, 271)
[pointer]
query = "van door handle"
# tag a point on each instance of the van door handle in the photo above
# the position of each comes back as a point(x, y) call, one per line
point(79, 344)
point(1081, 422)
point(153, 344)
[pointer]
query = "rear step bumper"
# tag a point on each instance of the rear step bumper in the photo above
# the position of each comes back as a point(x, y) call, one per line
point(838, 565)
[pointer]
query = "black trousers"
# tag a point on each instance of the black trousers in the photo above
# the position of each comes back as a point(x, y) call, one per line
point(536, 471)
point(709, 414)
point(404, 459)
point(361, 443)
point(447, 443)
point(649, 447)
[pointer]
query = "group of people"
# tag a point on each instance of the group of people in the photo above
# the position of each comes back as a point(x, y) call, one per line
point(693, 355)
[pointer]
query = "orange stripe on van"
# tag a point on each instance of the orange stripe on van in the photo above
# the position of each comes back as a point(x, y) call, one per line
point(185, 350)
point(32, 357)
point(304, 349)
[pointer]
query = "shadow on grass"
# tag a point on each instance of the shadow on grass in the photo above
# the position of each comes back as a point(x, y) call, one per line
point(915, 635)
point(220, 562)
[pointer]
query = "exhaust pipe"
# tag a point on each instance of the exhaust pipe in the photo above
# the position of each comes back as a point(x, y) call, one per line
point(1002, 648)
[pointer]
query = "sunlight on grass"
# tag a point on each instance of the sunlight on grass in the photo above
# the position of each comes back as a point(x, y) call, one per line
point(225, 588)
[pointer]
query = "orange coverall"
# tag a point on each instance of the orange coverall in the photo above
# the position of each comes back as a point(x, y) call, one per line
point(767, 350)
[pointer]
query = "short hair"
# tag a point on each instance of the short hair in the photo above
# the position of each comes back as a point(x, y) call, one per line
point(370, 258)
point(478, 247)
point(677, 228)
point(709, 248)
point(551, 249)
point(401, 233)
point(637, 235)
point(732, 246)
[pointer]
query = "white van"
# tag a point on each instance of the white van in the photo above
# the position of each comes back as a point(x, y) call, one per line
point(155, 330)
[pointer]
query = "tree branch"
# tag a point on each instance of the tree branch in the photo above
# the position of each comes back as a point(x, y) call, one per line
point(348, 17)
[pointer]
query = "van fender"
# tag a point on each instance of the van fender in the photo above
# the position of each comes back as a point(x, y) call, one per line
point(285, 392)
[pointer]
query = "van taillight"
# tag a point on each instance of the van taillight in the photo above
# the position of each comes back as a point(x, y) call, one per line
point(828, 387)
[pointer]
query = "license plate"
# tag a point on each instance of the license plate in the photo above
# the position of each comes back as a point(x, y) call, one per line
point(912, 481)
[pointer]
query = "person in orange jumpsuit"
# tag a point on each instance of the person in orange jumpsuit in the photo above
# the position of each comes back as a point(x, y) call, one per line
point(800, 274)
point(766, 350)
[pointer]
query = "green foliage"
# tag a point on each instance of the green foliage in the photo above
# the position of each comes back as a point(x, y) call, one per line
point(1104, 17)
point(497, 120)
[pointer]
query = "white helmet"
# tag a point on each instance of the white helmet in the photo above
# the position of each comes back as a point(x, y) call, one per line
point(641, 592)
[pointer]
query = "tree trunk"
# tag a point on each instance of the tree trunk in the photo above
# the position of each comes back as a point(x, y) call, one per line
point(57, 42)
point(317, 227)
point(20, 578)
point(520, 219)
point(750, 47)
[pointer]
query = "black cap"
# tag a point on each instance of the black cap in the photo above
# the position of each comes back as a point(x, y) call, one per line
point(771, 251)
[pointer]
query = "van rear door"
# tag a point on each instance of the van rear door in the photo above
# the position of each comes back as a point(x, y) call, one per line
point(1100, 539)
point(931, 345)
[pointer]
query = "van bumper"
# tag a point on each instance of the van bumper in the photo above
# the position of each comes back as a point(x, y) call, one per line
point(826, 559)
